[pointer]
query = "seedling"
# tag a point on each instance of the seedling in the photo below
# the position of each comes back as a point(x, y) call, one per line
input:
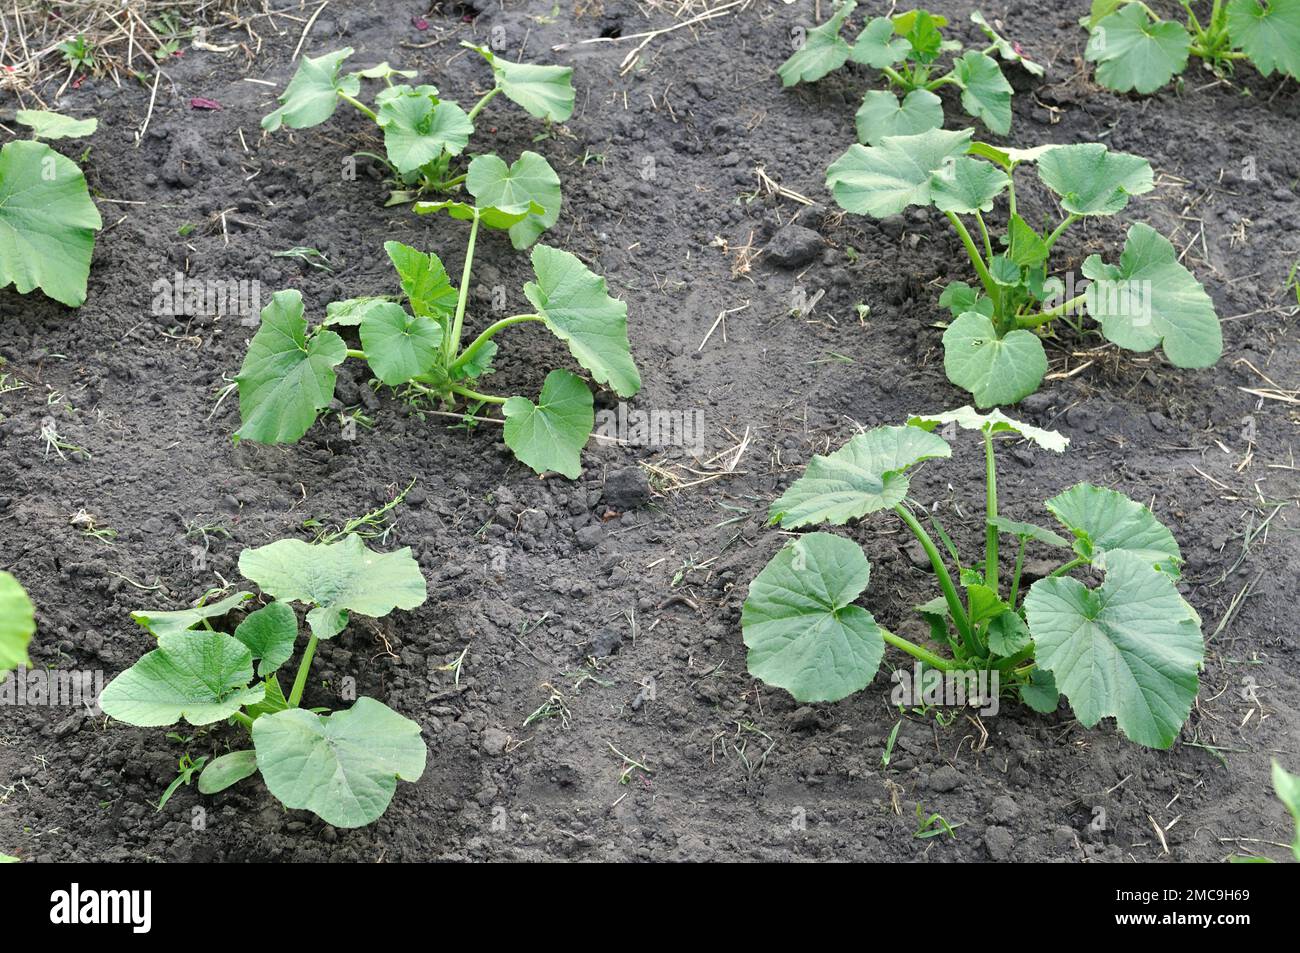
point(186, 768)
point(288, 376)
point(906, 48)
point(423, 133)
point(47, 220)
point(1136, 51)
point(1130, 649)
point(343, 766)
point(991, 348)
point(17, 625)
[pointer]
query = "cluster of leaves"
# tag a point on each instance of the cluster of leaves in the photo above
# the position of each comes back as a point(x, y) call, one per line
point(422, 132)
point(1135, 50)
point(1129, 649)
point(288, 374)
point(47, 219)
point(342, 766)
point(991, 348)
point(17, 625)
point(906, 49)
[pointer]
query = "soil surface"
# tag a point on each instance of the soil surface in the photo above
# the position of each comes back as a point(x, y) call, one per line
point(609, 612)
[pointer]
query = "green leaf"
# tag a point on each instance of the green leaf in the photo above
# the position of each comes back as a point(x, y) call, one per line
point(1027, 531)
point(201, 677)
point(958, 297)
point(1130, 649)
point(227, 770)
point(800, 626)
point(577, 307)
point(529, 181)
point(399, 346)
point(1149, 299)
point(878, 47)
point(1106, 522)
point(550, 434)
point(866, 474)
point(384, 71)
point(1006, 49)
point(17, 625)
point(995, 370)
point(161, 622)
point(47, 223)
point(881, 114)
point(545, 92)
point(286, 378)
point(48, 125)
point(1008, 157)
point(823, 50)
point(983, 603)
point(921, 30)
point(1134, 52)
point(1269, 35)
point(883, 180)
point(270, 634)
point(994, 422)
point(342, 767)
point(1040, 692)
point(492, 216)
point(1025, 246)
point(424, 280)
point(418, 129)
point(1092, 180)
point(273, 701)
point(1008, 634)
point(352, 311)
point(1287, 786)
point(336, 578)
point(965, 186)
point(313, 93)
point(985, 92)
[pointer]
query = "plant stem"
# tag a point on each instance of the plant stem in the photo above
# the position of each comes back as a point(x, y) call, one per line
point(991, 513)
point(243, 719)
point(487, 98)
point(1043, 317)
point(894, 77)
point(914, 650)
point(1015, 576)
point(1056, 232)
point(374, 117)
point(479, 342)
point(984, 231)
point(980, 268)
point(475, 395)
point(353, 352)
point(300, 680)
point(453, 340)
point(955, 608)
point(1072, 564)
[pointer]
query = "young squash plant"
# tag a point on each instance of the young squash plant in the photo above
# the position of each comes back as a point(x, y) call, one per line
point(47, 219)
point(1136, 51)
point(906, 48)
point(343, 766)
point(17, 625)
point(424, 133)
point(288, 375)
point(1130, 648)
point(992, 348)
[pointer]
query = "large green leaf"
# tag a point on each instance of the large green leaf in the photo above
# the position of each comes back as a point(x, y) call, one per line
point(424, 280)
point(1105, 522)
point(965, 185)
point(550, 434)
point(201, 677)
point(418, 129)
point(1287, 786)
point(287, 378)
point(985, 92)
point(47, 223)
point(995, 370)
point(994, 422)
point(48, 125)
point(883, 180)
point(866, 474)
point(343, 767)
point(270, 633)
point(336, 578)
point(881, 114)
point(17, 625)
point(162, 622)
point(1134, 52)
point(528, 181)
point(230, 768)
point(576, 305)
point(1130, 649)
point(399, 346)
point(823, 50)
point(800, 626)
point(878, 46)
point(1092, 180)
point(545, 92)
point(1150, 299)
point(313, 93)
point(1270, 35)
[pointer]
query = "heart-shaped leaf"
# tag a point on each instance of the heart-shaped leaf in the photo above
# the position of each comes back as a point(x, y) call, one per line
point(424, 280)
point(1105, 522)
point(881, 114)
point(1130, 649)
point(1150, 299)
point(313, 93)
point(399, 346)
point(1092, 180)
point(227, 770)
point(879, 46)
point(965, 185)
point(162, 622)
point(883, 180)
point(550, 434)
point(994, 422)
point(545, 92)
point(1134, 52)
point(286, 378)
point(800, 626)
point(985, 92)
point(201, 677)
point(822, 51)
point(336, 578)
point(529, 181)
point(418, 129)
point(1269, 35)
point(48, 125)
point(1008, 634)
point(866, 474)
point(1040, 693)
point(342, 767)
point(17, 625)
point(995, 370)
point(576, 305)
point(270, 634)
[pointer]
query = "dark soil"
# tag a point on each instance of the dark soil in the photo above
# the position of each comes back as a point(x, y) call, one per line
point(533, 576)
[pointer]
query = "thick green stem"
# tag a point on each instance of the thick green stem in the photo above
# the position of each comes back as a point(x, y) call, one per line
point(990, 513)
point(452, 344)
point(914, 650)
point(1015, 576)
point(300, 680)
point(353, 352)
point(361, 106)
point(984, 233)
point(1043, 317)
point(1072, 564)
point(243, 719)
point(973, 253)
point(955, 607)
point(1060, 229)
point(481, 341)
point(487, 98)
point(475, 395)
